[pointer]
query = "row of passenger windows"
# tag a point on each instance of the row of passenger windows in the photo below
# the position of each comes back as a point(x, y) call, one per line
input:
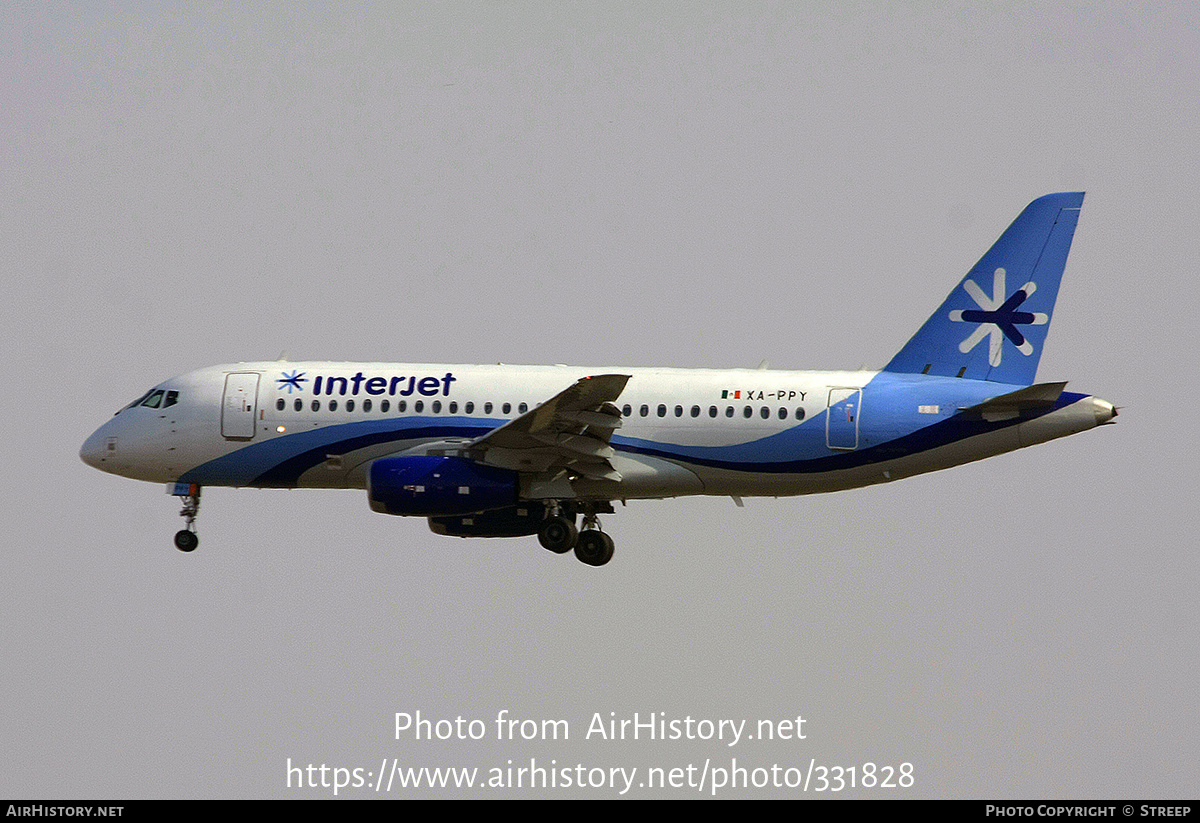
point(747, 411)
point(418, 406)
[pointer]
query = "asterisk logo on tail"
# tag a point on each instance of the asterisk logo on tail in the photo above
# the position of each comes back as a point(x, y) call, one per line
point(998, 317)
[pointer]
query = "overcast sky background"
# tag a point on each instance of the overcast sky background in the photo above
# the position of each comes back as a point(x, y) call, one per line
point(646, 184)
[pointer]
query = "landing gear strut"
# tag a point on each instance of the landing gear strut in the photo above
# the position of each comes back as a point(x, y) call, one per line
point(186, 539)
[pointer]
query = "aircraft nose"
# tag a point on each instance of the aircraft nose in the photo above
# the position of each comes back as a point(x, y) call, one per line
point(94, 448)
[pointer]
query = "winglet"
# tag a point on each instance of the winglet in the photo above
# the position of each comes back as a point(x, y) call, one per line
point(994, 323)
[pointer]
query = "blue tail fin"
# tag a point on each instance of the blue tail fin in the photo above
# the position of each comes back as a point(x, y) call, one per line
point(993, 325)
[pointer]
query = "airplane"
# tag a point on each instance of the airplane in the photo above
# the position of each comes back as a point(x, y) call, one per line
point(505, 451)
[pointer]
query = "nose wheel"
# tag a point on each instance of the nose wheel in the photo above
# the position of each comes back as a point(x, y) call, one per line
point(186, 539)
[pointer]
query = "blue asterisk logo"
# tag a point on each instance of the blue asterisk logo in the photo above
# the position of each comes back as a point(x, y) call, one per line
point(998, 317)
point(292, 381)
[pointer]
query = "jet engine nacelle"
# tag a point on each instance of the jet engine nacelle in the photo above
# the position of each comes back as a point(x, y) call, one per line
point(436, 486)
point(516, 521)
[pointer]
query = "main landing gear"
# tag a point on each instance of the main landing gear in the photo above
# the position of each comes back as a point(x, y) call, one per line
point(558, 534)
point(186, 539)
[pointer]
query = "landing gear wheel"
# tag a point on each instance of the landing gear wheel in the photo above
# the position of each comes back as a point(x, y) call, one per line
point(595, 548)
point(558, 534)
point(186, 540)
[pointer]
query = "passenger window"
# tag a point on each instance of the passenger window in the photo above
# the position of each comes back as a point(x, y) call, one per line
point(437, 406)
point(506, 408)
point(765, 413)
point(333, 405)
point(402, 406)
point(747, 412)
point(782, 413)
point(384, 405)
point(279, 404)
point(662, 410)
point(367, 404)
point(800, 413)
point(626, 410)
point(644, 410)
point(469, 408)
point(729, 411)
point(419, 406)
point(487, 407)
point(695, 411)
point(712, 411)
point(453, 408)
point(524, 407)
point(316, 405)
point(349, 405)
point(679, 411)
point(298, 405)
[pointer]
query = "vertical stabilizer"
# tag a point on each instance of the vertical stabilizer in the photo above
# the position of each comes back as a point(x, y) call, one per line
point(994, 323)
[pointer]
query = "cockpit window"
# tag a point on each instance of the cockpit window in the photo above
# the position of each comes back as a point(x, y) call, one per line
point(137, 402)
point(154, 400)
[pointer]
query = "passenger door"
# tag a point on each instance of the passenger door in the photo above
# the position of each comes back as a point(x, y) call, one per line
point(841, 424)
point(240, 406)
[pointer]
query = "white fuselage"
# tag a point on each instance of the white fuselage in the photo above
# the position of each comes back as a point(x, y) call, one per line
point(684, 431)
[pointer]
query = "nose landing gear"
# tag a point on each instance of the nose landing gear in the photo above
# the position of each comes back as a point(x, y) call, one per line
point(186, 539)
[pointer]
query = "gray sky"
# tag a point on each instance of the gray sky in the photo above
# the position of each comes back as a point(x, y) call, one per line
point(677, 184)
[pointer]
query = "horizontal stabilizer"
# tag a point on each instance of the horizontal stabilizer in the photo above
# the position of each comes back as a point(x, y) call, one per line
point(1007, 406)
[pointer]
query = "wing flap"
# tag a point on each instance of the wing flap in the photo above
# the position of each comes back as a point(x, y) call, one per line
point(569, 431)
point(599, 420)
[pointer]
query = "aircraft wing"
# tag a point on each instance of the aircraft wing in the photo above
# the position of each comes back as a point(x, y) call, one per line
point(570, 432)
